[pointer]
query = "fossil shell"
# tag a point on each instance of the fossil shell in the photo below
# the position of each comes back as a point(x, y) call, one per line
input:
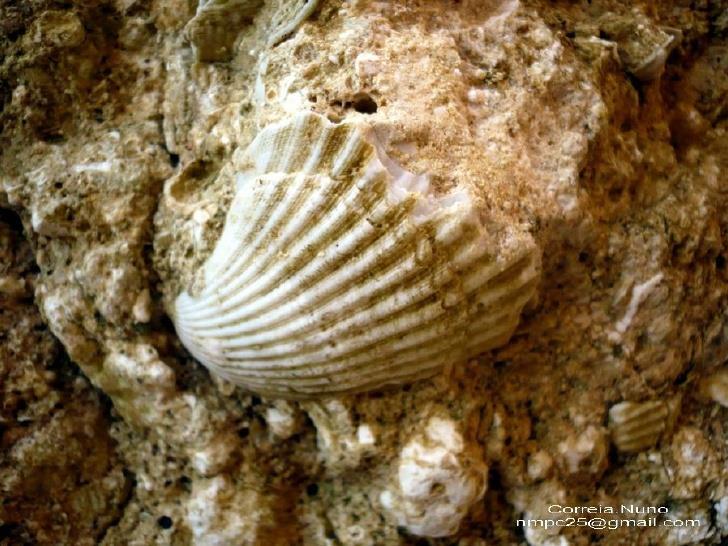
point(214, 29)
point(643, 46)
point(636, 426)
point(216, 25)
point(289, 15)
point(337, 270)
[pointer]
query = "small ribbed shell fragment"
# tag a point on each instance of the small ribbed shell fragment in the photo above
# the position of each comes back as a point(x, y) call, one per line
point(636, 426)
point(339, 271)
point(289, 15)
point(213, 30)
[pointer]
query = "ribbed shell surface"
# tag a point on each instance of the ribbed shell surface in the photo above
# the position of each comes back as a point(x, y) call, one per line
point(338, 271)
point(637, 426)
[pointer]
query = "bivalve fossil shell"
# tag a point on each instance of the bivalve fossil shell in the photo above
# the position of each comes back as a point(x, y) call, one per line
point(337, 270)
point(636, 426)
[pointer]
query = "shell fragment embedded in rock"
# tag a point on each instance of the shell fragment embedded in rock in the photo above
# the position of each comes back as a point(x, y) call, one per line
point(636, 426)
point(642, 45)
point(289, 15)
point(338, 271)
point(216, 25)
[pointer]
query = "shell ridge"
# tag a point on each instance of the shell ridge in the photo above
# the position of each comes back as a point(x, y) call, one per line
point(220, 254)
point(314, 160)
point(435, 305)
point(288, 159)
point(284, 200)
point(493, 292)
point(370, 290)
point(501, 328)
point(316, 234)
point(233, 290)
point(369, 242)
point(496, 294)
point(354, 146)
point(409, 354)
point(499, 319)
point(370, 253)
point(247, 259)
point(264, 136)
point(278, 219)
point(267, 196)
point(498, 278)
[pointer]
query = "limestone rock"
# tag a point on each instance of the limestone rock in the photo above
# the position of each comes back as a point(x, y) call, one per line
point(594, 131)
point(437, 482)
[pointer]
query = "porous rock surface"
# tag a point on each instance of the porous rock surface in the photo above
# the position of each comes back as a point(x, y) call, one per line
point(599, 127)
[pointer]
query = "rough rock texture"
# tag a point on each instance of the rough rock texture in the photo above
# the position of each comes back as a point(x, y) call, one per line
point(61, 479)
point(599, 127)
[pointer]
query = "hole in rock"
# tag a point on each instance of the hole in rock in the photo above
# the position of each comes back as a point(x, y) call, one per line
point(437, 489)
point(10, 218)
point(7, 530)
point(364, 104)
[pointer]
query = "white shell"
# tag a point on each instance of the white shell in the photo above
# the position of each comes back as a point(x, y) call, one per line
point(339, 271)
